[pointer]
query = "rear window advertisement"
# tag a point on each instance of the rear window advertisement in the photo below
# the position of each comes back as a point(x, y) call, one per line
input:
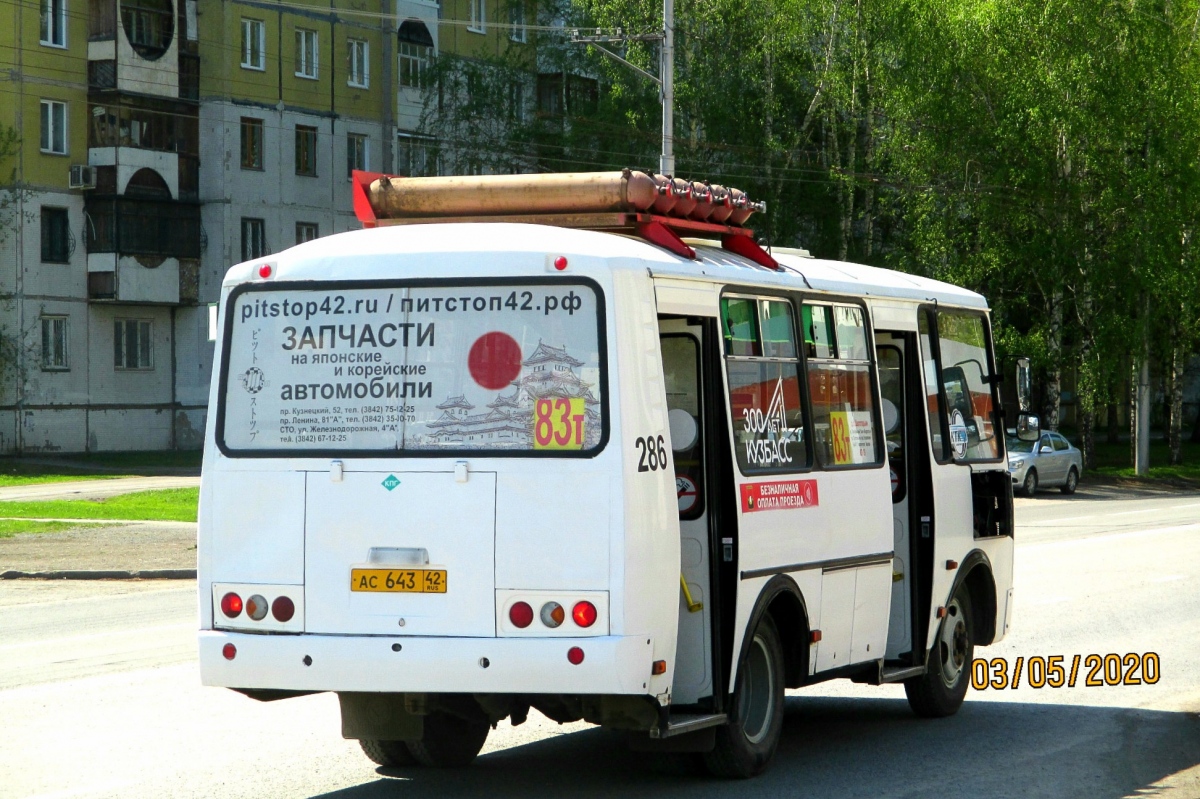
point(509, 368)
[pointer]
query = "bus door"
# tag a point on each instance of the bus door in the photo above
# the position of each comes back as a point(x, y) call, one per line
point(682, 357)
point(903, 423)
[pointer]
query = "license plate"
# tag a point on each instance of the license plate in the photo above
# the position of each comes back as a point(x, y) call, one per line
point(399, 581)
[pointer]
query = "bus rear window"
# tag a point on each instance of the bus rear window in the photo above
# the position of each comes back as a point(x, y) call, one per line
point(397, 368)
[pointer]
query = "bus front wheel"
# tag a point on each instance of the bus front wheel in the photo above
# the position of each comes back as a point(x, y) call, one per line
point(746, 744)
point(941, 689)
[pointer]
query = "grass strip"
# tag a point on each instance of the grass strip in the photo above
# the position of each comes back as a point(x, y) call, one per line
point(11, 527)
point(171, 504)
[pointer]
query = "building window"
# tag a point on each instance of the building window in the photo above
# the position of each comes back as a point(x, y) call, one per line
point(415, 48)
point(478, 16)
point(254, 238)
point(131, 344)
point(306, 54)
point(516, 19)
point(54, 342)
point(149, 26)
point(360, 64)
point(413, 60)
point(252, 143)
point(516, 101)
point(306, 151)
point(54, 23)
point(56, 236)
point(306, 231)
point(416, 157)
point(356, 153)
point(54, 127)
point(254, 44)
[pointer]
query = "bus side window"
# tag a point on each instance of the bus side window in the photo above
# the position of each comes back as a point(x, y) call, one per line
point(739, 321)
point(762, 363)
point(963, 349)
point(840, 387)
point(818, 331)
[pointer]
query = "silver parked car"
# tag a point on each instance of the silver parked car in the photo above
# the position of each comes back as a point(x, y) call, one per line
point(1049, 461)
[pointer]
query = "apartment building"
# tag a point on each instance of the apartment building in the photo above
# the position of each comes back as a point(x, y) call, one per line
point(101, 247)
point(162, 141)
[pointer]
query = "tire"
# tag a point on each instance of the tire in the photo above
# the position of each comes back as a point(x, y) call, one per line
point(1072, 482)
point(388, 753)
point(449, 741)
point(746, 744)
point(940, 691)
point(1030, 486)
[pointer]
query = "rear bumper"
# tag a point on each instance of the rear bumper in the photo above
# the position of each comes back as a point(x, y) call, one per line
point(612, 664)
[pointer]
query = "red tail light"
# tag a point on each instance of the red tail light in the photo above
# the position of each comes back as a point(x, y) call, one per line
point(520, 614)
point(584, 614)
point(283, 609)
point(231, 605)
point(229, 651)
point(575, 655)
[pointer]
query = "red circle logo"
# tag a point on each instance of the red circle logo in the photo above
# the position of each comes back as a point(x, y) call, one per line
point(494, 360)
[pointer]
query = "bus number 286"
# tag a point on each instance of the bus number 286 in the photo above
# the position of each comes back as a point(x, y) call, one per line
point(654, 453)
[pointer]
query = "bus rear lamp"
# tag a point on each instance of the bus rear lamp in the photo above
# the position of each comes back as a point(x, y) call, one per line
point(575, 655)
point(283, 609)
point(231, 605)
point(552, 614)
point(560, 263)
point(256, 607)
point(520, 614)
point(264, 271)
point(584, 614)
point(658, 667)
point(229, 651)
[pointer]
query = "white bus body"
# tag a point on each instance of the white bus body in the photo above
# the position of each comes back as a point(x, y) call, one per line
point(817, 446)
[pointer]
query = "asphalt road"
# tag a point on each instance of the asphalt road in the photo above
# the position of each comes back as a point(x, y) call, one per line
point(99, 697)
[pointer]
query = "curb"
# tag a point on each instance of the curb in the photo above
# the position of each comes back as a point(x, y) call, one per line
point(103, 574)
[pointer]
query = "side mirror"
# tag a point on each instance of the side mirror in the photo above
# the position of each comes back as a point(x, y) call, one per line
point(1023, 383)
point(1046, 448)
point(1029, 426)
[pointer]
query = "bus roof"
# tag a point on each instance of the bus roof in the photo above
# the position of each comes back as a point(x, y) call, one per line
point(312, 260)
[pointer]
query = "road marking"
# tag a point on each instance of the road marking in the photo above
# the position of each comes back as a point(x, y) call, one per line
point(93, 636)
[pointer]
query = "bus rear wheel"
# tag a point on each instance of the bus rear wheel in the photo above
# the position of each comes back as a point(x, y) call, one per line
point(940, 691)
point(746, 744)
point(388, 753)
point(449, 741)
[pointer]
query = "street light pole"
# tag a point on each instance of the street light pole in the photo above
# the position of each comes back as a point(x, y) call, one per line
point(666, 163)
point(665, 78)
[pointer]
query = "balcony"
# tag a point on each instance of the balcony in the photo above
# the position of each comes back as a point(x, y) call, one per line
point(150, 229)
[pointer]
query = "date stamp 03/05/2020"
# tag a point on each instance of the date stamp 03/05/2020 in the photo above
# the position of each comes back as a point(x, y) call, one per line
point(1056, 671)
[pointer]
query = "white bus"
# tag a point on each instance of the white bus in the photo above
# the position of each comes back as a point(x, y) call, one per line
point(462, 470)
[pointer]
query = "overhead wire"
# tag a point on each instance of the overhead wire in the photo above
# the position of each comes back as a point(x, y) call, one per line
point(724, 167)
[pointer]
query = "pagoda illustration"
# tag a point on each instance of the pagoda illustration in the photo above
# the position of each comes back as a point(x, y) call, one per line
point(508, 421)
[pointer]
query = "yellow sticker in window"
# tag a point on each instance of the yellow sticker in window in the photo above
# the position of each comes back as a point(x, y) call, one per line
point(558, 423)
